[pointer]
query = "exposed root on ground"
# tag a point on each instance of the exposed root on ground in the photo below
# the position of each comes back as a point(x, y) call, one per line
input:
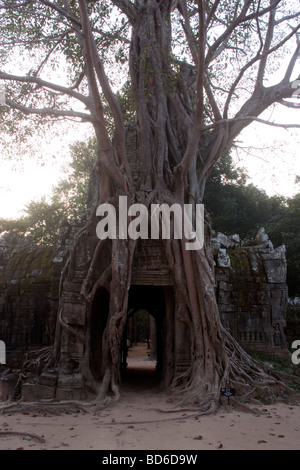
point(24, 435)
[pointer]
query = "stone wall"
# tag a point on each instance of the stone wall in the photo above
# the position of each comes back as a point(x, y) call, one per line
point(250, 286)
point(252, 292)
point(28, 296)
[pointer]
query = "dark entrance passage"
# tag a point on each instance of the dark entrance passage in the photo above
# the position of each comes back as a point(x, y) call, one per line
point(145, 361)
point(149, 360)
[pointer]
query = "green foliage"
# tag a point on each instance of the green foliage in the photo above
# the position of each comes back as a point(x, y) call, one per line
point(284, 227)
point(40, 222)
point(234, 206)
point(71, 192)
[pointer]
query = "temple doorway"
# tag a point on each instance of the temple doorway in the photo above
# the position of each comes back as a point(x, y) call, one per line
point(145, 339)
point(147, 347)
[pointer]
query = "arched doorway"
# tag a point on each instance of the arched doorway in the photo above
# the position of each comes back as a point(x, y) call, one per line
point(158, 303)
point(150, 330)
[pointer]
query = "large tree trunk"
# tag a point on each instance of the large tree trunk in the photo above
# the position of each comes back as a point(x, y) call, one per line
point(173, 169)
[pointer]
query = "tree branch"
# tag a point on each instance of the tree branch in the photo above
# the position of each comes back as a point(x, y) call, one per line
point(268, 40)
point(250, 118)
point(212, 102)
point(201, 64)
point(255, 59)
point(49, 111)
point(97, 103)
point(292, 63)
point(61, 11)
point(241, 18)
point(112, 101)
point(106, 154)
point(126, 7)
point(188, 30)
point(274, 124)
point(11, 6)
point(289, 104)
point(45, 84)
point(194, 137)
point(79, 79)
point(44, 61)
point(288, 17)
point(212, 12)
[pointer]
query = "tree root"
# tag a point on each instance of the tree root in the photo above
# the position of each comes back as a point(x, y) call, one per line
point(56, 408)
point(25, 435)
point(238, 405)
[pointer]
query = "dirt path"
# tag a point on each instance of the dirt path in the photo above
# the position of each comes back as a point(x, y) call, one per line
point(141, 421)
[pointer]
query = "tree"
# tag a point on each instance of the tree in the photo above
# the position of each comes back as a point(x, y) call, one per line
point(198, 73)
point(40, 224)
point(235, 206)
point(71, 191)
point(40, 220)
point(283, 227)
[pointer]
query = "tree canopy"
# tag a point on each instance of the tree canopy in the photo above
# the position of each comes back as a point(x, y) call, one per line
point(225, 51)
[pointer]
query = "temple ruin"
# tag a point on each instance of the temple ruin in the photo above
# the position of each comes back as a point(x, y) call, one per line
point(250, 286)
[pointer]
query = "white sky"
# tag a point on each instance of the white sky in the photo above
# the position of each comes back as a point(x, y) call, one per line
point(272, 155)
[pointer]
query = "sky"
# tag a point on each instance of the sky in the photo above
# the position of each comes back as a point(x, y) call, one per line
point(271, 155)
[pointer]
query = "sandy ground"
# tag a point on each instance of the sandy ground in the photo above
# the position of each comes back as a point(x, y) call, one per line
point(142, 420)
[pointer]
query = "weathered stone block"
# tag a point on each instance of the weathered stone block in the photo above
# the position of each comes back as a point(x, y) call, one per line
point(36, 392)
point(48, 379)
point(69, 394)
point(70, 381)
point(70, 348)
point(275, 270)
point(225, 286)
point(8, 382)
point(223, 259)
point(74, 314)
